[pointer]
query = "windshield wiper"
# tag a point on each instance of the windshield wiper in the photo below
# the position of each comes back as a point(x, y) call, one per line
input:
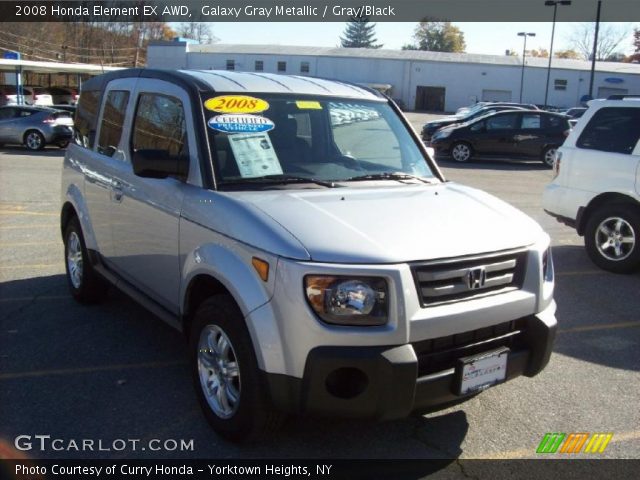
point(389, 176)
point(280, 179)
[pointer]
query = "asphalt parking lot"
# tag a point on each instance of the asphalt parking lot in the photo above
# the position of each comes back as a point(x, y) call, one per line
point(113, 371)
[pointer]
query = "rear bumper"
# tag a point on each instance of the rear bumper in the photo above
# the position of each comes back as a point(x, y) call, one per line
point(386, 382)
point(58, 134)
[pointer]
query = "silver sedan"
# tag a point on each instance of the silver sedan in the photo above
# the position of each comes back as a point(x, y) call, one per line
point(35, 127)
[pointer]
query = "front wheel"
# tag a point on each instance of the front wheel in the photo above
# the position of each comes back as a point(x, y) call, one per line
point(34, 140)
point(611, 238)
point(549, 156)
point(226, 375)
point(461, 152)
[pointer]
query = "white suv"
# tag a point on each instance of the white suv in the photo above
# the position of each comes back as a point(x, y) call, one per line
point(595, 187)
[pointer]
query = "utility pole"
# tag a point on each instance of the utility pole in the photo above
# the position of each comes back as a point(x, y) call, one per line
point(524, 55)
point(554, 4)
point(595, 50)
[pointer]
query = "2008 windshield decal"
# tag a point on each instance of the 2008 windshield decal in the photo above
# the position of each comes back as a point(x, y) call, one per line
point(236, 104)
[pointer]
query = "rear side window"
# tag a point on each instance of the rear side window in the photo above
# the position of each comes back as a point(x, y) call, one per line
point(115, 108)
point(85, 120)
point(612, 130)
point(531, 121)
point(160, 124)
point(502, 122)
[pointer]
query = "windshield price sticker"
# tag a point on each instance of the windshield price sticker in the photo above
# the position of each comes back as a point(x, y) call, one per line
point(240, 123)
point(308, 105)
point(236, 104)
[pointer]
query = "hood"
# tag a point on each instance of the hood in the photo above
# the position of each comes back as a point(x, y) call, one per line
point(452, 118)
point(394, 224)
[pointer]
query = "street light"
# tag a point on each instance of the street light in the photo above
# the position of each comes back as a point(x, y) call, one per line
point(524, 53)
point(554, 4)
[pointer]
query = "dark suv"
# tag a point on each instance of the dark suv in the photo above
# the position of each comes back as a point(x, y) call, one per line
point(512, 134)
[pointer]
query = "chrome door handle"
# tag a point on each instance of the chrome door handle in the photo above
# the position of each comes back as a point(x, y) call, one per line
point(116, 192)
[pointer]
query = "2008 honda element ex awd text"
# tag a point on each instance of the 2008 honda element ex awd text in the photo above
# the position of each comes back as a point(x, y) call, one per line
point(299, 234)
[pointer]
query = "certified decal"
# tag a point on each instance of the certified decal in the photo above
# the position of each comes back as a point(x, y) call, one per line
point(236, 104)
point(228, 123)
point(308, 105)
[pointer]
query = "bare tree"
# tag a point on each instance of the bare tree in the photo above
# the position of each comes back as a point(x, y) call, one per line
point(200, 31)
point(609, 39)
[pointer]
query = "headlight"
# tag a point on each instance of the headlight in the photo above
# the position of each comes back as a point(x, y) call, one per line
point(547, 265)
point(442, 134)
point(355, 301)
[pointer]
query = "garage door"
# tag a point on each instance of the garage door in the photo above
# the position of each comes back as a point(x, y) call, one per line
point(604, 92)
point(496, 95)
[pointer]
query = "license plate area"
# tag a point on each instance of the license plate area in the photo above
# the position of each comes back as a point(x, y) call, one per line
point(479, 372)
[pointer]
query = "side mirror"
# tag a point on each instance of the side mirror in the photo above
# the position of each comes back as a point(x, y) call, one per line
point(159, 164)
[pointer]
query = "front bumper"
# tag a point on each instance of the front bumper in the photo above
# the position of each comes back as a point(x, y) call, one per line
point(386, 382)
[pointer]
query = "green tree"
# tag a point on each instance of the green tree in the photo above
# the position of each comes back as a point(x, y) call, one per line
point(359, 33)
point(437, 37)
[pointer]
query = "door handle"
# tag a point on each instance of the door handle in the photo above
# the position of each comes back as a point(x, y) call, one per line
point(116, 192)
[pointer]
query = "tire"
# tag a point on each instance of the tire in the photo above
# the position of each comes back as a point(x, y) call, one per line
point(611, 238)
point(221, 352)
point(34, 140)
point(85, 284)
point(461, 152)
point(63, 143)
point(549, 156)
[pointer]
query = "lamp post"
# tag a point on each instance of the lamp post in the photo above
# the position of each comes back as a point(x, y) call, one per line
point(554, 4)
point(595, 49)
point(524, 53)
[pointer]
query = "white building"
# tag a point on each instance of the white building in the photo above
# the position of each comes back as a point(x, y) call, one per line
point(421, 80)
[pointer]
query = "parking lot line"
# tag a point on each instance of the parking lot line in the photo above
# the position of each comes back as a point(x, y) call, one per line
point(572, 273)
point(610, 326)
point(104, 368)
point(16, 212)
point(33, 265)
point(531, 452)
point(23, 244)
point(34, 225)
point(29, 299)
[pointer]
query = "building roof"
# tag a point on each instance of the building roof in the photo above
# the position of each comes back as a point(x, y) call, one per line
point(412, 55)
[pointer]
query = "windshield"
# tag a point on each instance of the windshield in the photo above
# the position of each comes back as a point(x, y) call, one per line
point(262, 139)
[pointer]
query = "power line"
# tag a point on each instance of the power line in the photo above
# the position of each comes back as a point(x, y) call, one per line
point(56, 53)
point(71, 47)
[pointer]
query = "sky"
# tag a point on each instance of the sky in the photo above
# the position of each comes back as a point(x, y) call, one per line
point(487, 38)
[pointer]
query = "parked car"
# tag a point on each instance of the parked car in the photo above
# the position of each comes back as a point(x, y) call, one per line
point(595, 185)
point(35, 127)
point(303, 261)
point(32, 95)
point(575, 112)
point(39, 96)
point(510, 134)
point(9, 95)
point(63, 95)
point(465, 110)
point(67, 108)
point(432, 127)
